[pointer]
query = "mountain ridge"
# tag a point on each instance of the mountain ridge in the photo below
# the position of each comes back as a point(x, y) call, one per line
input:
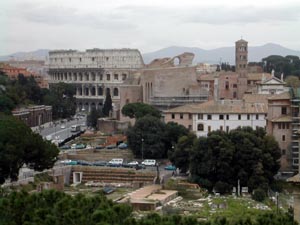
point(217, 55)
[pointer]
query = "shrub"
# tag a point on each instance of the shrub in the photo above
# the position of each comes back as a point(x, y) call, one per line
point(259, 195)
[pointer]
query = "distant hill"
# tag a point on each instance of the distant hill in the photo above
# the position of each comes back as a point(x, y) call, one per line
point(40, 54)
point(225, 54)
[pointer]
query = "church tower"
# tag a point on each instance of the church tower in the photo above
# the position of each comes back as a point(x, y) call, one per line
point(241, 62)
point(241, 56)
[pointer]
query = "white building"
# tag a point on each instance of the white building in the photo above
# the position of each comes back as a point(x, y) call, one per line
point(272, 85)
point(222, 115)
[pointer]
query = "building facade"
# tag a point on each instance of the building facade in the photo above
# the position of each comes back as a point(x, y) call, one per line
point(34, 116)
point(222, 115)
point(95, 73)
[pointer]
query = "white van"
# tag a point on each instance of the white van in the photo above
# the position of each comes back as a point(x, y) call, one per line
point(116, 162)
point(149, 162)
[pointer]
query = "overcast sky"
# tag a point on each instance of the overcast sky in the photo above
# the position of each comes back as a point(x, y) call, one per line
point(28, 25)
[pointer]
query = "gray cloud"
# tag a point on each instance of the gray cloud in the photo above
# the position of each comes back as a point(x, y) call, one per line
point(59, 15)
point(217, 15)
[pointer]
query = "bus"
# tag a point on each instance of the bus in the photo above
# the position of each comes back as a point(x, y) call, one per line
point(75, 128)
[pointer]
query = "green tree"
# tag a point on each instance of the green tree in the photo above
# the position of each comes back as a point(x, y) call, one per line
point(61, 97)
point(93, 117)
point(181, 156)
point(19, 146)
point(147, 135)
point(243, 154)
point(292, 81)
point(173, 132)
point(6, 104)
point(107, 107)
point(138, 110)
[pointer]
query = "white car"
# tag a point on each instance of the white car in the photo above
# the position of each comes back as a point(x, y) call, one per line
point(149, 162)
point(116, 162)
point(63, 126)
point(133, 163)
point(66, 161)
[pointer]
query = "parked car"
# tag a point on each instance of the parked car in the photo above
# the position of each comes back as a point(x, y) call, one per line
point(122, 146)
point(65, 161)
point(84, 163)
point(170, 167)
point(111, 146)
point(149, 162)
point(80, 146)
point(116, 162)
point(64, 147)
point(133, 163)
point(63, 126)
point(99, 163)
point(100, 147)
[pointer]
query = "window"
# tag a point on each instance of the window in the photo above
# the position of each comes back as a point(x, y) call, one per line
point(221, 128)
point(209, 128)
point(234, 94)
point(190, 116)
point(200, 116)
point(80, 59)
point(257, 116)
point(116, 76)
point(226, 85)
point(70, 60)
point(107, 76)
point(227, 117)
point(116, 91)
point(209, 117)
point(221, 117)
point(279, 125)
point(283, 151)
point(173, 116)
point(181, 116)
point(123, 76)
point(248, 116)
point(93, 58)
point(234, 85)
point(283, 125)
point(239, 116)
point(287, 126)
point(200, 127)
point(283, 111)
point(283, 137)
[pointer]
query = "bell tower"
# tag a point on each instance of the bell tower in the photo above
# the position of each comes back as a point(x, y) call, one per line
point(241, 62)
point(241, 56)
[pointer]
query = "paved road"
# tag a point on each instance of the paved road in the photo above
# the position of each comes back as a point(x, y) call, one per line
point(60, 130)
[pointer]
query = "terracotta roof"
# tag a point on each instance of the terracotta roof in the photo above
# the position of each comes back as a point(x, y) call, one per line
point(258, 76)
point(283, 119)
point(256, 98)
point(223, 106)
point(284, 95)
point(294, 179)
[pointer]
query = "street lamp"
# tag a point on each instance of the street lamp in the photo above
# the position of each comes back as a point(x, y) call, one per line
point(142, 148)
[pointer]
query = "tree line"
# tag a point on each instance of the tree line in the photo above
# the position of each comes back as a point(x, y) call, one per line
point(217, 161)
point(24, 91)
point(54, 207)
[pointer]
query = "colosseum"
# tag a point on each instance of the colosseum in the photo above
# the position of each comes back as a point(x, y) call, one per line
point(95, 73)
